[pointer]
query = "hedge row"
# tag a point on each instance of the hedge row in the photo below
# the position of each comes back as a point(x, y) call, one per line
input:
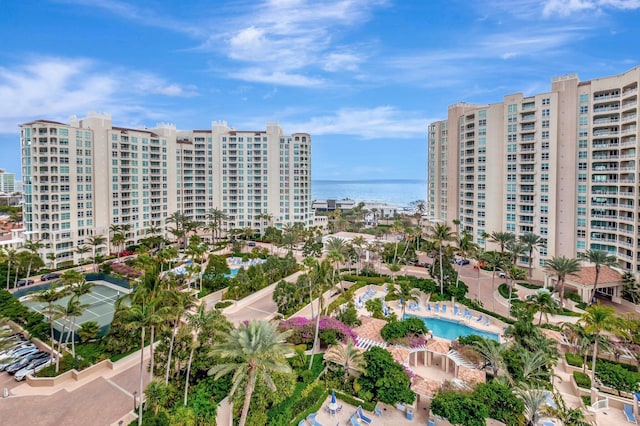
point(582, 380)
point(473, 305)
point(368, 406)
point(368, 280)
point(573, 359)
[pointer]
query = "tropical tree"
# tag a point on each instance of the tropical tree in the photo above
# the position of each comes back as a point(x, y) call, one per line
point(532, 242)
point(466, 248)
point(11, 258)
point(599, 258)
point(33, 247)
point(255, 350)
point(196, 322)
point(492, 352)
point(320, 279)
point(347, 356)
point(517, 249)
point(404, 292)
point(73, 309)
point(51, 257)
point(542, 301)
point(141, 317)
point(52, 311)
point(561, 267)
point(631, 288)
point(441, 233)
point(502, 238)
point(82, 250)
point(598, 319)
point(180, 304)
point(534, 401)
point(96, 241)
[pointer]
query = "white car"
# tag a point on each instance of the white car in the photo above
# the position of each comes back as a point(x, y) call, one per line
point(17, 355)
point(9, 353)
point(32, 368)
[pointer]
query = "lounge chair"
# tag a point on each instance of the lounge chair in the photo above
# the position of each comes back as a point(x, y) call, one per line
point(444, 309)
point(302, 423)
point(437, 308)
point(548, 424)
point(311, 418)
point(479, 318)
point(486, 321)
point(428, 307)
point(354, 420)
point(360, 414)
point(628, 411)
point(455, 310)
point(377, 411)
point(432, 422)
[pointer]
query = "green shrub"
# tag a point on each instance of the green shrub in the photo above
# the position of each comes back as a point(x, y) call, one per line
point(586, 400)
point(223, 304)
point(369, 406)
point(399, 329)
point(573, 359)
point(503, 289)
point(469, 340)
point(529, 286)
point(616, 376)
point(369, 280)
point(549, 326)
point(472, 304)
point(581, 305)
point(572, 295)
point(582, 380)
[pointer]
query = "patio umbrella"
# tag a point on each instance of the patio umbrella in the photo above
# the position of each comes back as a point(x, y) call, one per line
point(333, 396)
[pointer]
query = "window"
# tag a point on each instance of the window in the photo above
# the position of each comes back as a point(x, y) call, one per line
point(584, 97)
point(512, 108)
point(584, 109)
point(546, 112)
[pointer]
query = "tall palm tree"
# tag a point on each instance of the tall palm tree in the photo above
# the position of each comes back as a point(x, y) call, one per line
point(398, 229)
point(118, 241)
point(51, 257)
point(599, 258)
point(404, 292)
point(502, 238)
point(82, 250)
point(517, 249)
point(561, 267)
point(466, 248)
point(196, 322)
point(493, 260)
point(96, 241)
point(255, 351)
point(180, 304)
point(141, 317)
point(347, 356)
point(441, 233)
point(336, 252)
point(11, 258)
point(598, 319)
point(534, 401)
point(543, 302)
point(319, 278)
point(73, 309)
point(33, 247)
point(492, 353)
point(49, 297)
point(485, 236)
point(533, 242)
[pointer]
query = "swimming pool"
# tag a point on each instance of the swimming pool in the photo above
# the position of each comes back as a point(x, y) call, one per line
point(233, 273)
point(451, 330)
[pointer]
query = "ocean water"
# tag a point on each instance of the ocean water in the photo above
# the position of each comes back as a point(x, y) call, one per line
point(400, 192)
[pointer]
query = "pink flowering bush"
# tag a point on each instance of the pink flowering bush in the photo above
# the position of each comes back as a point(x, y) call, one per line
point(331, 330)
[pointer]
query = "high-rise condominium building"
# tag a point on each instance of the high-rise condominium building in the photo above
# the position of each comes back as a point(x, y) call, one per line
point(561, 164)
point(7, 182)
point(82, 177)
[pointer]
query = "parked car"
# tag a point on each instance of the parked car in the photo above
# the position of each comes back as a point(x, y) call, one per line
point(24, 361)
point(462, 262)
point(10, 352)
point(33, 368)
point(22, 283)
point(251, 243)
point(502, 274)
point(19, 354)
point(51, 276)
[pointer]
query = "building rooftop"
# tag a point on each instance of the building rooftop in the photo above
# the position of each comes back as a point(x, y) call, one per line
point(587, 275)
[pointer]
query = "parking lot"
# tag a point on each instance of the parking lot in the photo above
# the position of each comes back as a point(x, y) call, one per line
point(7, 382)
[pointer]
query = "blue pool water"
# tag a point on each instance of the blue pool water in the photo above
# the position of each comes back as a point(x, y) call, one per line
point(451, 330)
point(233, 273)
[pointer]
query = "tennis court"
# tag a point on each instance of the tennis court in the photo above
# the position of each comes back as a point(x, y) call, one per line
point(100, 306)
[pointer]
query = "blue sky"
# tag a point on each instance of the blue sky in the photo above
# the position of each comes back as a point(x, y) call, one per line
point(364, 77)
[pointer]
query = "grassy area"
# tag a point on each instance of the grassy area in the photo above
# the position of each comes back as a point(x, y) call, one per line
point(529, 286)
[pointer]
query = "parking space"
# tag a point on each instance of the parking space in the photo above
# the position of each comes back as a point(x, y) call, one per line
point(7, 382)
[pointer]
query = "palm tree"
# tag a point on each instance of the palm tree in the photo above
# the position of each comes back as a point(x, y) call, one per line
point(493, 259)
point(398, 229)
point(532, 242)
point(485, 236)
point(12, 258)
point(336, 252)
point(534, 401)
point(51, 257)
point(598, 258)
point(118, 241)
point(255, 350)
point(517, 249)
point(74, 309)
point(466, 248)
point(561, 267)
point(404, 292)
point(141, 317)
point(598, 319)
point(347, 356)
point(96, 241)
point(440, 233)
point(50, 296)
point(196, 321)
point(492, 353)
point(82, 250)
point(502, 238)
point(34, 247)
point(181, 303)
point(319, 278)
point(543, 302)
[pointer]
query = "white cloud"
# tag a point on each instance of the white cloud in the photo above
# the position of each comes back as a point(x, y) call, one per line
point(568, 7)
point(57, 87)
point(281, 78)
point(375, 123)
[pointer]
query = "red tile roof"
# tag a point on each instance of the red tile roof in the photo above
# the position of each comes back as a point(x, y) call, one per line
point(587, 276)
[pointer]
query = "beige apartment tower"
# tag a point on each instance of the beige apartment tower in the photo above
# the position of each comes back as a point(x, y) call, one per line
point(561, 164)
point(82, 177)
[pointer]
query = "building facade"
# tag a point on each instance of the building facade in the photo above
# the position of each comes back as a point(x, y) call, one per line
point(561, 164)
point(83, 177)
point(7, 182)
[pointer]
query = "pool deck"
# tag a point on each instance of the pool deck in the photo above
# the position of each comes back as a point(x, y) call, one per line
point(495, 326)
